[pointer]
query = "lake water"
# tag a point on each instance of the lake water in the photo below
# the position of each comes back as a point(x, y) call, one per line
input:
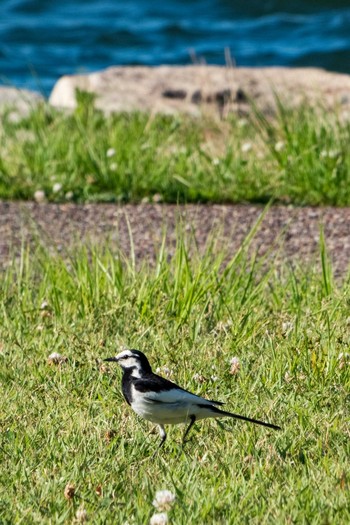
point(40, 40)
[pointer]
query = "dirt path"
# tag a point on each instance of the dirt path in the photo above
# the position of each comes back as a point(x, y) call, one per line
point(59, 226)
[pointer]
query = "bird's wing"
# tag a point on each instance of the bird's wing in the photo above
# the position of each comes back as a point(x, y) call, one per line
point(161, 390)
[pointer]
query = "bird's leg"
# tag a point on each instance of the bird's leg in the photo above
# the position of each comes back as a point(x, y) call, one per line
point(193, 420)
point(162, 439)
point(162, 435)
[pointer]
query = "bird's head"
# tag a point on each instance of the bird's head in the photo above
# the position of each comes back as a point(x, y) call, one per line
point(132, 360)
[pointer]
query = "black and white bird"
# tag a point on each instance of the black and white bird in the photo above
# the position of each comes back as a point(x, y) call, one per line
point(163, 402)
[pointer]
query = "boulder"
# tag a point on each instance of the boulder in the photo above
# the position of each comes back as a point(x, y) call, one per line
point(200, 88)
point(20, 101)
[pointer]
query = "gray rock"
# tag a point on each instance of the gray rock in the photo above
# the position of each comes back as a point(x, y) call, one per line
point(20, 101)
point(203, 89)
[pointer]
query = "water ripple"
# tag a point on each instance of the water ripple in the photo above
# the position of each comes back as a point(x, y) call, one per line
point(41, 40)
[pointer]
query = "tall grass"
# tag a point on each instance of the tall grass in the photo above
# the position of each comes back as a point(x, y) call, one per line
point(301, 157)
point(191, 312)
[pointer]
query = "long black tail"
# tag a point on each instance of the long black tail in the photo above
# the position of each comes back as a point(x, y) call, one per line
point(250, 420)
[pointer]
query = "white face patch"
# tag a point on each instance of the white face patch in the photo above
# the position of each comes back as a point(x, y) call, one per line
point(124, 354)
point(128, 361)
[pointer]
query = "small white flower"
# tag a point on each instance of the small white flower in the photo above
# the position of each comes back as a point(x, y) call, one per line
point(288, 377)
point(279, 146)
point(242, 122)
point(287, 326)
point(113, 166)
point(163, 500)
point(110, 152)
point(164, 370)
point(332, 153)
point(69, 195)
point(235, 365)
point(56, 359)
point(215, 161)
point(214, 378)
point(14, 117)
point(81, 515)
point(203, 459)
point(44, 305)
point(159, 519)
point(343, 359)
point(199, 378)
point(56, 188)
point(247, 146)
point(39, 196)
point(220, 326)
point(157, 197)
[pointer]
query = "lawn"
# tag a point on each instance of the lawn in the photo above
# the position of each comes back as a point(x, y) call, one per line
point(300, 157)
point(191, 313)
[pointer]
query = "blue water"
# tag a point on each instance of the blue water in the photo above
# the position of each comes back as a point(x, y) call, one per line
point(40, 40)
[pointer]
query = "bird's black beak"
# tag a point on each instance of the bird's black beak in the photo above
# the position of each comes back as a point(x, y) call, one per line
point(111, 359)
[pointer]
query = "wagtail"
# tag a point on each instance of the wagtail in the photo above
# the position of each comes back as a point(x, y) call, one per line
point(163, 402)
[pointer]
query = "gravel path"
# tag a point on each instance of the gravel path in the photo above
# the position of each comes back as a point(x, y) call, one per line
point(67, 224)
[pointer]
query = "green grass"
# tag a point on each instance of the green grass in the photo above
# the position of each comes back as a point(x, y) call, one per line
point(301, 157)
point(191, 312)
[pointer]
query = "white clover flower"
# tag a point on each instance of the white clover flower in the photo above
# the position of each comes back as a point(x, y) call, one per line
point(159, 519)
point(215, 161)
point(199, 378)
point(235, 365)
point(343, 359)
point(56, 188)
point(247, 146)
point(242, 122)
point(279, 146)
point(56, 359)
point(163, 500)
point(14, 117)
point(81, 515)
point(113, 166)
point(204, 458)
point(39, 196)
point(44, 305)
point(287, 326)
point(220, 326)
point(214, 378)
point(110, 152)
point(288, 377)
point(164, 370)
point(69, 195)
point(332, 153)
point(157, 197)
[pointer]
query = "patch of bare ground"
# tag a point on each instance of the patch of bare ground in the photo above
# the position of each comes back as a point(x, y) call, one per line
point(288, 234)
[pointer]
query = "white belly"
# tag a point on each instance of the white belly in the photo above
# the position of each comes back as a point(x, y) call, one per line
point(171, 408)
